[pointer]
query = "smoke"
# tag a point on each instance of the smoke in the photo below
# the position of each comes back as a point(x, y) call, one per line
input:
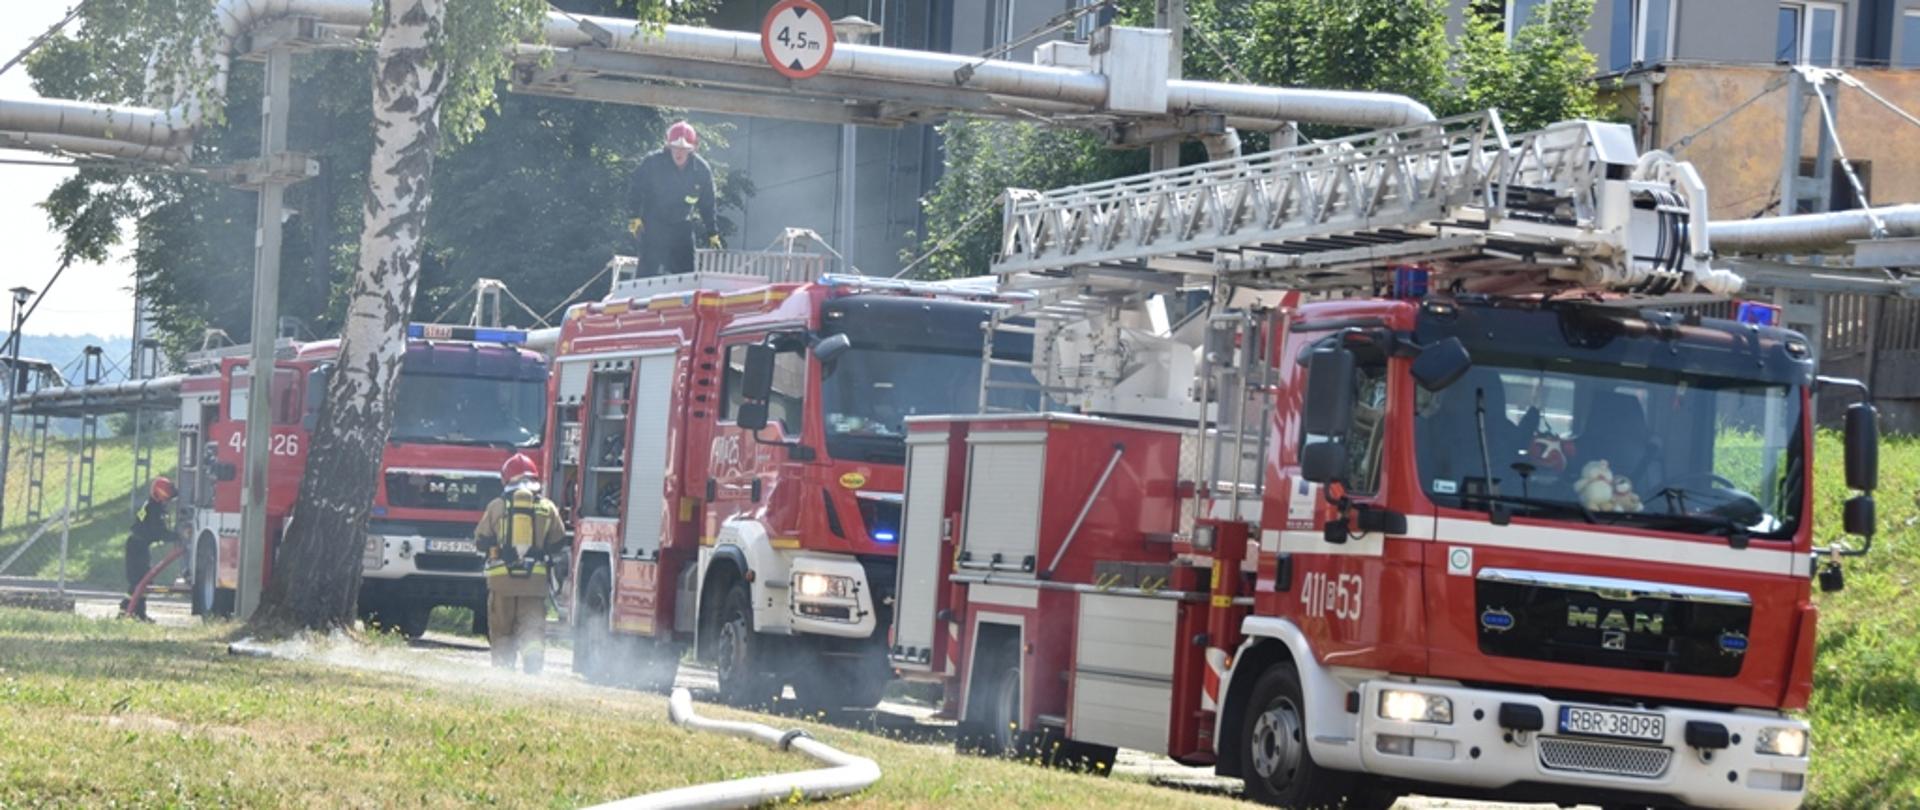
point(467, 667)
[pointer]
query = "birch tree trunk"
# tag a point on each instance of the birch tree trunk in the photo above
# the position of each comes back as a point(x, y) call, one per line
point(315, 579)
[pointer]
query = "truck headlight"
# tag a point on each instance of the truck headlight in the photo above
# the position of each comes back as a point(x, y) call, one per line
point(1415, 707)
point(824, 585)
point(1782, 742)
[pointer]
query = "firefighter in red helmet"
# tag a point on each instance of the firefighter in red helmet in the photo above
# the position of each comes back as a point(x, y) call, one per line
point(670, 199)
point(149, 527)
point(517, 533)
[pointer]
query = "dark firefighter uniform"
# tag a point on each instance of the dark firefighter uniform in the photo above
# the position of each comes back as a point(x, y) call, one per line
point(518, 531)
point(665, 198)
point(149, 527)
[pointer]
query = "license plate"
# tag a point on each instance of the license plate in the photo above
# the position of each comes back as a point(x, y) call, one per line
point(453, 546)
point(1612, 723)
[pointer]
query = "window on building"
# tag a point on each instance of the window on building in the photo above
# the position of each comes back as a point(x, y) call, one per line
point(1653, 31)
point(1840, 196)
point(1808, 34)
point(1521, 12)
point(1909, 40)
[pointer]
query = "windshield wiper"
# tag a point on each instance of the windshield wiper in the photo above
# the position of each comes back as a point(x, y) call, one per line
point(1736, 533)
point(1547, 505)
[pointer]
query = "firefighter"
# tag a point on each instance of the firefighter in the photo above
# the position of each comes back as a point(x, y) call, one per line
point(518, 531)
point(670, 188)
point(149, 527)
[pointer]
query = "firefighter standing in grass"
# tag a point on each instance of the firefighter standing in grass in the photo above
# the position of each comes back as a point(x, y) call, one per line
point(518, 531)
point(149, 527)
point(670, 198)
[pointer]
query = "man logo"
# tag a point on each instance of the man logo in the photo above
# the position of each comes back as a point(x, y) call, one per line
point(1616, 620)
point(1613, 640)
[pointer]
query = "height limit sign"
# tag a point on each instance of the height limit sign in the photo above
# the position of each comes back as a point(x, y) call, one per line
point(797, 38)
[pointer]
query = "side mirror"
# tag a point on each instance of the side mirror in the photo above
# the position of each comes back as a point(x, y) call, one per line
point(756, 387)
point(1857, 516)
point(1441, 364)
point(829, 348)
point(223, 471)
point(1862, 447)
point(1329, 405)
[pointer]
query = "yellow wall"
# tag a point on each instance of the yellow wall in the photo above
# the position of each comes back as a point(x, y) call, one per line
point(1740, 158)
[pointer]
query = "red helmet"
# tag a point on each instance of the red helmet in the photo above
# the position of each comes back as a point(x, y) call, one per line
point(162, 489)
point(518, 467)
point(681, 134)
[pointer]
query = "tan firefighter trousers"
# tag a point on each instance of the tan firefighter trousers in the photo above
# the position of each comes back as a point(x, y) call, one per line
point(516, 628)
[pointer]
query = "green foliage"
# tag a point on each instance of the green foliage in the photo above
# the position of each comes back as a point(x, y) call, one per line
point(511, 162)
point(1865, 709)
point(95, 553)
point(1395, 46)
point(1540, 77)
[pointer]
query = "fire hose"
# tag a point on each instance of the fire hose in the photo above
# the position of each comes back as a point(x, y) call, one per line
point(139, 593)
point(846, 774)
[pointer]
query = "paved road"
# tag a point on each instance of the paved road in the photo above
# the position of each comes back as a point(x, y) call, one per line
point(906, 721)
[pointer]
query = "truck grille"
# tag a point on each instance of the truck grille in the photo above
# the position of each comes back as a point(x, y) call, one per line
point(1612, 759)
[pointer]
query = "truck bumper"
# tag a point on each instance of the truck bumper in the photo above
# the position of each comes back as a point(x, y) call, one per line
point(401, 567)
point(1475, 751)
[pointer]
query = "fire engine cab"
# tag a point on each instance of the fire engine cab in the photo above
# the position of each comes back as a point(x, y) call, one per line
point(727, 446)
point(1465, 492)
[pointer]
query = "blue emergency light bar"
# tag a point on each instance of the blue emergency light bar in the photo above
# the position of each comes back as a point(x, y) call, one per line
point(1756, 313)
point(476, 334)
point(1409, 282)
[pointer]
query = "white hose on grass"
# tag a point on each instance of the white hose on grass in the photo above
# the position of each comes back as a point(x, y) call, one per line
point(845, 773)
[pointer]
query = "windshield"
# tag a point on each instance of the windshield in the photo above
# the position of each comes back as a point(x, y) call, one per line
point(449, 409)
point(869, 393)
point(1615, 444)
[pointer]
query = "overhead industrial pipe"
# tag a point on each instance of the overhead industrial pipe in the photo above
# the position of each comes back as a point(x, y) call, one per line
point(845, 773)
point(172, 127)
point(1811, 233)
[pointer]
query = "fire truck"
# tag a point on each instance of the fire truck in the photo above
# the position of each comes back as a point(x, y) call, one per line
point(467, 399)
point(727, 447)
point(1405, 462)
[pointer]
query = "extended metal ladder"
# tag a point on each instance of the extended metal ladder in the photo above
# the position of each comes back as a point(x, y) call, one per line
point(92, 371)
point(1573, 205)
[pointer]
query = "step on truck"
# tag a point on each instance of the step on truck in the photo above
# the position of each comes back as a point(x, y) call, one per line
point(727, 446)
point(467, 399)
point(1511, 517)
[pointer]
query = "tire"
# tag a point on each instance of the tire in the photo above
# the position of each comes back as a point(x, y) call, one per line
point(414, 620)
point(479, 625)
point(206, 578)
point(739, 653)
point(1278, 768)
point(836, 682)
point(592, 634)
point(1002, 714)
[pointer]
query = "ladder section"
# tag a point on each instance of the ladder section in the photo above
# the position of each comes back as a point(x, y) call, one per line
point(1572, 204)
point(92, 370)
point(38, 437)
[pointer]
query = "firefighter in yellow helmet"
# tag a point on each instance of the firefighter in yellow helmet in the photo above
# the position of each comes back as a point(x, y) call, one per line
point(517, 533)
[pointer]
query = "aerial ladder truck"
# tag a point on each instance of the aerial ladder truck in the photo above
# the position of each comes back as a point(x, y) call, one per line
point(1403, 462)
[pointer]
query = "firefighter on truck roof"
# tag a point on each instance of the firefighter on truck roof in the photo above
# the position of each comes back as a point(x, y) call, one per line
point(672, 187)
point(518, 531)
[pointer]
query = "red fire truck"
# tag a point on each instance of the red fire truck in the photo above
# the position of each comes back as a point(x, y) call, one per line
point(1494, 526)
point(727, 449)
point(467, 399)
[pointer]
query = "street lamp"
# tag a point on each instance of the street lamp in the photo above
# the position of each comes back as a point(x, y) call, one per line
point(855, 30)
point(20, 296)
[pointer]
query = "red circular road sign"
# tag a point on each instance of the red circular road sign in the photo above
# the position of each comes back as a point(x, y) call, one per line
point(797, 38)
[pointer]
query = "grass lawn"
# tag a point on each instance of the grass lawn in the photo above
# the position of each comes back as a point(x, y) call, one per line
point(108, 713)
point(95, 542)
point(1866, 701)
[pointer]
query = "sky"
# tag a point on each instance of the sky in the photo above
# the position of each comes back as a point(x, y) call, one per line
point(89, 298)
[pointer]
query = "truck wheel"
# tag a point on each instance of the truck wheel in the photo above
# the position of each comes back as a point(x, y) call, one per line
point(737, 652)
point(1279, 769)
point(414, 620)
point(841, 683)
point(1003, 712)
point(591, 636)
point(206, 579)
